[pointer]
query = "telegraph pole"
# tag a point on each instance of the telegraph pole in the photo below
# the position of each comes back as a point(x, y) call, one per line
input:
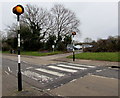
point(18, 10)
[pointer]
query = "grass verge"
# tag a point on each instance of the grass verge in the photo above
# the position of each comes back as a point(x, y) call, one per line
point(35, 53)
point(103, 56)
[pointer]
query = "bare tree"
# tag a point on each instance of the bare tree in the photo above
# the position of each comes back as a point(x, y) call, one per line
point(65, 21)
point(38, 19)
point(38, 24)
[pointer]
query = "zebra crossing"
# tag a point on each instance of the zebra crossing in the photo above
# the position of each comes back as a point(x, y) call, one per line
point(52, 72)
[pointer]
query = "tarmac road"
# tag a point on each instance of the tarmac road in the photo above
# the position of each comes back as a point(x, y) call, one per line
point(55, 77)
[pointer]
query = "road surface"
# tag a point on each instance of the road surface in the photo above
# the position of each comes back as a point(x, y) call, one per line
point(49, 77)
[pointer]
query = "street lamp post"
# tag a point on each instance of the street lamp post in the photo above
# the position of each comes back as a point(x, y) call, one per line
point(18, 10)
point(73, 34)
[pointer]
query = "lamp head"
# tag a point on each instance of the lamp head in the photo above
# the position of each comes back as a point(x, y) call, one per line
point(18, 10)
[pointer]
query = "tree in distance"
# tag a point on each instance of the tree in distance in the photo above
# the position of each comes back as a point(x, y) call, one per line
point(38, 24)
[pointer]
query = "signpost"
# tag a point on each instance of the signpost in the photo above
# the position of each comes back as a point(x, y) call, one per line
point(73, 33)
point(18, 10)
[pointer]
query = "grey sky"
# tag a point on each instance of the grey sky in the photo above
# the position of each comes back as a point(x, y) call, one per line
point(97, 19)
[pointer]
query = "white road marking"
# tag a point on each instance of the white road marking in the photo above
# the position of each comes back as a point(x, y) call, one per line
point(6, 72)
point(29, 67)
point(36, 76)
point(80, 65)
point(103, 77)
point(63, 69)
point(50, 72)
point(68, 66)
point(9, 69)
point(48, 89)
point(73, 80)
point(98, 70)
point(24, 62)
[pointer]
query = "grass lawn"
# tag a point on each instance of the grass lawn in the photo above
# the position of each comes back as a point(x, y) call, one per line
point(35, 53)
point(104, 56)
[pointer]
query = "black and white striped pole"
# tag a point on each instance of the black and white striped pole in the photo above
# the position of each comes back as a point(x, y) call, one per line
point(18, 10)
point(19, 69)
point(73, 34)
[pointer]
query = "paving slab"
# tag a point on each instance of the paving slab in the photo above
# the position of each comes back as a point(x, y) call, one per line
point(90, 85)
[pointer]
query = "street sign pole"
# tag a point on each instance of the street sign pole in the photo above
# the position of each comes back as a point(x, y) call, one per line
point(18, 10)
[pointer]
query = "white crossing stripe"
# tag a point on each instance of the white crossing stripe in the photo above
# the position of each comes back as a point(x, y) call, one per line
point(50, 72)
point(63, 69)
point(68, 66)
point(36, 76)
point(80, 65)
point(29, 67)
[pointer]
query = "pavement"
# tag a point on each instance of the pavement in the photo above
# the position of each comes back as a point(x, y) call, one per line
point(28, 90)
point(90, 85)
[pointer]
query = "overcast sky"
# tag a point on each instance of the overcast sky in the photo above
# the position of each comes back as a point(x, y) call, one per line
point(97, 19)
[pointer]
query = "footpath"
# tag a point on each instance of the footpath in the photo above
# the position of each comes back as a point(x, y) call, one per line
point(89, 85)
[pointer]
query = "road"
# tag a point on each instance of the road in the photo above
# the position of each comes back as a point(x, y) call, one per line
point(52, 75)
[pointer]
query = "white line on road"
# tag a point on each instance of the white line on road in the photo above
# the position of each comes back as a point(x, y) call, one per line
point(24, 62)
point(50, 72)
point(80, 65)
point(98, 70)
point(29, 67)
point(6, 72)
point(103, 77)
point(9, 69)
point(68, 66)
point(63, 69)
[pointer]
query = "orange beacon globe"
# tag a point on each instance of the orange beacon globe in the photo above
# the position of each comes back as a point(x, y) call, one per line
point(19, 9)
